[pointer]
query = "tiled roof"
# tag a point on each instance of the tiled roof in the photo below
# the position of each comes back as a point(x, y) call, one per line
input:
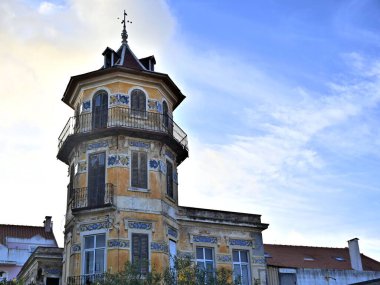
point(314, 257)
point(128, 59)
point(16, 231)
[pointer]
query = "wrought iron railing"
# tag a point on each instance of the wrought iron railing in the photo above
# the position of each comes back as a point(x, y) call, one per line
point(86, 279)
point(99, 197)
point(125, 118)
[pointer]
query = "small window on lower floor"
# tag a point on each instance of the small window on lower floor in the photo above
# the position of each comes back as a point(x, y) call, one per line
point(94, 254)
point(205, 262)
point(241, 267)
point(139, 177)
point(140, 253)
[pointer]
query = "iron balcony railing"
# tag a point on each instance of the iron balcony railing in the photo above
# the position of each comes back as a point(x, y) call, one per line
point(124, 118)
point(86, 279)
point(92, 198)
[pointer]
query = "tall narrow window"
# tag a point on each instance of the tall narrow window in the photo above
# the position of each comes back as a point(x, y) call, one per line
point(138, 102)
point(165, 113)
point(70, 189)
point(140, 254)
point(100, 110)
point(169, 179)
point(241, 267)
point(173, 253)
point(94, 254)
point(205, 262)
point(96, 179)
point(139, 177)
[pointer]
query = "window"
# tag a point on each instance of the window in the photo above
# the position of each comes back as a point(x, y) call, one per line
point(169, 179)
point(140, 254)
point(139, 177)
point(100, 110)
point(205, 262)
point(96, 179)
point(138, 102)
point(172, 253)
point(94, 254)
point(165, 114)
point(241, 267)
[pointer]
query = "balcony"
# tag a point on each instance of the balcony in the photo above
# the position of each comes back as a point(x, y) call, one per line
point(86, 279)
point(82, 199)
point(124, 121)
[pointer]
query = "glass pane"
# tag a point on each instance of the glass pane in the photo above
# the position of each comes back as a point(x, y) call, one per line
point(209, 266)
point(200, 253)
point(201, 265)
point(235, 256)
point(244, 277)
point(89, 242)
point(99, 261)
point(89, 262)
point(208, 252)
point(244, 256)
point(100, 240)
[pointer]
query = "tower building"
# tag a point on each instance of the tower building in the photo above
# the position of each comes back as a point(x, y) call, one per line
point(122, 148)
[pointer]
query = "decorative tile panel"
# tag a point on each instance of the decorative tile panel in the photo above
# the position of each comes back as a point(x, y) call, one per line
point(95, 226)
point(75, 248)
point(154, 105)
point(169, 154)
point(139, 144)
point(53, 271)
point(258, 260)
point(240, 242)
point(223, 258)
point(162, 167)
point(204, 239)
point(86, 106)
point(96, 145)
point(172, 232)
point(119, 99)
point(121, 160)
point(159, 246)
point(175, 177)
point(118, 243)
point(140, 225)
point(154, 165)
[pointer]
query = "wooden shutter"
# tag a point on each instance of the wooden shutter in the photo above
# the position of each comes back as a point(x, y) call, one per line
point(142, 102)
point(143, 171)
point(140, 253)
point(134, 100)
point(169, 179)
point(135, 169)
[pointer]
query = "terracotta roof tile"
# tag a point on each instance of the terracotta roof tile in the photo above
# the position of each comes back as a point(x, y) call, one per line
point(314, 257)
point(17, 231)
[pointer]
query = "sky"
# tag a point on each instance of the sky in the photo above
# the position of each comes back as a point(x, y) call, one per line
point(282, 110)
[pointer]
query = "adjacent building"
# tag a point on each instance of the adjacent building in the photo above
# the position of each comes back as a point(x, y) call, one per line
point(122, 148)
point(17, 243)
point(305, 265)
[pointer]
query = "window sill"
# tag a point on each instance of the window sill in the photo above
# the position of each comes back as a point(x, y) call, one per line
point(170, 198)
point(135, 189)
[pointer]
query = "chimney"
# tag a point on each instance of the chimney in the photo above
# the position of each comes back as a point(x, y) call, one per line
point(356, 260)
point(48, 224)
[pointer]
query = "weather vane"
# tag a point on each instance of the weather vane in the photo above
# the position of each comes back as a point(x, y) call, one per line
point(124, 35)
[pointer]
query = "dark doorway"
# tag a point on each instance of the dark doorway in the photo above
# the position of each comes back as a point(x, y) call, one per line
point(96, 179)
point(52, 281)
point(100, 110)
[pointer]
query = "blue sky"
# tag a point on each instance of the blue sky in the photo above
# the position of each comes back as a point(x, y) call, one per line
point(282, 107)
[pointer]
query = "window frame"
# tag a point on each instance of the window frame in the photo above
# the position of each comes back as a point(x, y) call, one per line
point(147, 235)
point(204, 260)
point(93, 249)
point(170, 176)
point(141, 111)
point(240, 263)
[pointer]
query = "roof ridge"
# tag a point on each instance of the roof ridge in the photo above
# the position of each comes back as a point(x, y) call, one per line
point(291, 245)
point(21, 226)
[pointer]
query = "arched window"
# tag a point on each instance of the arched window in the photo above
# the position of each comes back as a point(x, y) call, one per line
point(100, 110)
point(138, 102)
point(165, 114)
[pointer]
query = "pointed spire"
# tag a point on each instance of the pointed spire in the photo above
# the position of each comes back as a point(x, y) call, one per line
point(124, 34)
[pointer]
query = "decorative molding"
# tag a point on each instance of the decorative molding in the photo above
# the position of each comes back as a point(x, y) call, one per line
point(75, 248)
point(53, 271)
point(94, 226)
point(258, 260)
point(86, 106)
point(240, 242)
point(154, 105)
point(118, 160)
point(172, 232)
point(205, 239)
point(159, 246)
point(140, 225)
point(139, 144)
point(96, 145)
point(118, 243)
point(119, 99)
point(223, 258)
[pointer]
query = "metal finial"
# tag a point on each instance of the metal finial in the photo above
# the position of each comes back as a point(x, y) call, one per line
point(124, 34)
